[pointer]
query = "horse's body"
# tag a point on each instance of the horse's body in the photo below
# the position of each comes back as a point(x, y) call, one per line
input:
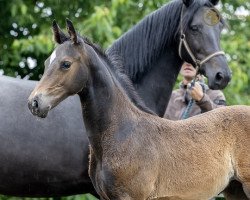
point(152, 62)
point(34, 162)
point(136, 155)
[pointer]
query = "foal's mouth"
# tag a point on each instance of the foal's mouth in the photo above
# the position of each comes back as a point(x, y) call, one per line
point(43, 114)
point(37, 111)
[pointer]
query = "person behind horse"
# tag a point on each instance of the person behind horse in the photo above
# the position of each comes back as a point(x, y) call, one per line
point(190, 100)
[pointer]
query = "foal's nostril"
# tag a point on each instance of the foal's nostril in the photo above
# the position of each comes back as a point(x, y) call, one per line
point(34, 104)
point(219, 76)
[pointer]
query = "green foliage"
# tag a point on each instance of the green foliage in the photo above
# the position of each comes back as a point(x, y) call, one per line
point(236, 42)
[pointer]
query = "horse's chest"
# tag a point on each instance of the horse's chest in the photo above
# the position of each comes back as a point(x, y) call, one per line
point(102, 178)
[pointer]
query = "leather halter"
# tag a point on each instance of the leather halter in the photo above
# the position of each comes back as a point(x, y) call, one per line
point(183, 42)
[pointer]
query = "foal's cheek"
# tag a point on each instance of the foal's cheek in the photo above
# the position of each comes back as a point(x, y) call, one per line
point(76, 82)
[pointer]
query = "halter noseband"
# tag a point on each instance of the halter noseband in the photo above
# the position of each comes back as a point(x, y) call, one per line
point(183, 41)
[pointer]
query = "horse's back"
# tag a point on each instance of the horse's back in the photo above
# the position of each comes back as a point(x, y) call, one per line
point(231, 135)
point(212, 142)
point(40, 157)
point(234, 119)
point(228, 116)
point(229, 122)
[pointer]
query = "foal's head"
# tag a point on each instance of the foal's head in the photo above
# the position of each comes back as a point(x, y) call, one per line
point(201, 26)
point(66, 71)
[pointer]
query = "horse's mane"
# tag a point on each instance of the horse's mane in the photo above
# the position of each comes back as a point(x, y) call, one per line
point(141, 48)
point(116, 66)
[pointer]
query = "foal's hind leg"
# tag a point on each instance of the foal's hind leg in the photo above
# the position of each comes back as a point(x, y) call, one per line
point(234, 191)
point(246, 188)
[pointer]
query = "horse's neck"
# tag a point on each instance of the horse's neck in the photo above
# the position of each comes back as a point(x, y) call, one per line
point(150, 55)
point(156, 85)
point(104, 105)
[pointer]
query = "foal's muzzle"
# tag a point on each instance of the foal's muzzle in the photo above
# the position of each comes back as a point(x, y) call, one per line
point(37, 107)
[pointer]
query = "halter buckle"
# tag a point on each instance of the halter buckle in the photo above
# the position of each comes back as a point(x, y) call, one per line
point(197, 63)
point(182, 36)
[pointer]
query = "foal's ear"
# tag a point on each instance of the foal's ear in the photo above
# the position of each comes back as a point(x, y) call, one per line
point(187, 2)
point(71, 31)
point(59, 36)
point(214, 2)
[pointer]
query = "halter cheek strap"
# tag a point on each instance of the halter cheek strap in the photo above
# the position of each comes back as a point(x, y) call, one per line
point(183, 42)
point(198, 63)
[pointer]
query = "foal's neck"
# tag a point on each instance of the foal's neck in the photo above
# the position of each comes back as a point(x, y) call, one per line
point(104, 103)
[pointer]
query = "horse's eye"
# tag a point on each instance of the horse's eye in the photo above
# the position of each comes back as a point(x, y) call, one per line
point(194, 28)
point(65, 65)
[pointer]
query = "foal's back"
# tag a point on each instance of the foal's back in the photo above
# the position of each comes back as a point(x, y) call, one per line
point(203, 152)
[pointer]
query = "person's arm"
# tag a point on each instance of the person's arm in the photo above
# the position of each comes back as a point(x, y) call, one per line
point(209, 101)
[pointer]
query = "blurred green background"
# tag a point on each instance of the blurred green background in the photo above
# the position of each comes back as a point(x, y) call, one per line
point(26, 37)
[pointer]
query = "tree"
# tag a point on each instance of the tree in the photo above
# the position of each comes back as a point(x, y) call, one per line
point(236, 42)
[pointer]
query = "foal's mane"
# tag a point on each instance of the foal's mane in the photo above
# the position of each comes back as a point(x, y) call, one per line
point(141, 48)
point(115, 64)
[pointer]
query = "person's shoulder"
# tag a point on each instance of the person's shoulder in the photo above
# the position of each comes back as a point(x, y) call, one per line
point(177, 92)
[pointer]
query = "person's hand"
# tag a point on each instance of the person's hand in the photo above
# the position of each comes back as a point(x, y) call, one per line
point(196, 92)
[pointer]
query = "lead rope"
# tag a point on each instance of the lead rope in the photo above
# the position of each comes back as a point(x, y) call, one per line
point(186, 113)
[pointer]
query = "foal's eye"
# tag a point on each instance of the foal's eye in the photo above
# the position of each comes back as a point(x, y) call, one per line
point(65, 65)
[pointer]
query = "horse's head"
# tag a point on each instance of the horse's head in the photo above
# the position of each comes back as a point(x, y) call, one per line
point(200, 29)
point(65, 74)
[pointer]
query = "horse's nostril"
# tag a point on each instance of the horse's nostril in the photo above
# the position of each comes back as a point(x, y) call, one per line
point(219, 76)
point(34, 104)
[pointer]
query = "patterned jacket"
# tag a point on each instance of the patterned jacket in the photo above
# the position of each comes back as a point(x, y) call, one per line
point(180, 98)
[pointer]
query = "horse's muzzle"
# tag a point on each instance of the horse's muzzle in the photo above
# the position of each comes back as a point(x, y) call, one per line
point(220, 81)
point(36, 107)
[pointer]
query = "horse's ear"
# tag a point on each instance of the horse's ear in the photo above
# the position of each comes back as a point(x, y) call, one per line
point(214, 2)
point(71, 31)
point(59, 36)
point(187, 2)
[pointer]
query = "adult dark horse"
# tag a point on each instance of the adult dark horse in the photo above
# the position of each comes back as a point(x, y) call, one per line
point(152, 50)
point(153, 65)
point(136, 155)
